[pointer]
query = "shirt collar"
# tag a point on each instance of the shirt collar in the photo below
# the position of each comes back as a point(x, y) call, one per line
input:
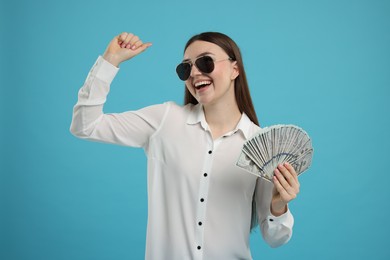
point(244, 126)
point(197, 116)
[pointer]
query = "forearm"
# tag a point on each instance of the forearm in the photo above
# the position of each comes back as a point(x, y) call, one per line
point(275, 219)
point(91, 98)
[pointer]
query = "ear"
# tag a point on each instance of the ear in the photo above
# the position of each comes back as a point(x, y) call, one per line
point(235, 71)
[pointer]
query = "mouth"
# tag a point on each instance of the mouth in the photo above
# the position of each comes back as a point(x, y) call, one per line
point(202, 84)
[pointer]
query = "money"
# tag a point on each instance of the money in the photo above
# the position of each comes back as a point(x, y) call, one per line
point(274, 145)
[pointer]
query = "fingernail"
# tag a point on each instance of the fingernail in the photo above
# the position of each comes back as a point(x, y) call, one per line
point(133, 47)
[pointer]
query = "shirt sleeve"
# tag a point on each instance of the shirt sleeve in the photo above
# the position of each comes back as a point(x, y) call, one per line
point(276, 231)
point(132, 128)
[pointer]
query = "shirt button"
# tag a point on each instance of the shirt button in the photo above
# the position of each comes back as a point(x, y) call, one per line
point(210, 152)
point(271, 219)
point(202, 199)
point(200, 223)
point(205, 174)
point(199, 247)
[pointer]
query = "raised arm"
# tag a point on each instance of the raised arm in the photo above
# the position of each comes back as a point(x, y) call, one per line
point(131, 128)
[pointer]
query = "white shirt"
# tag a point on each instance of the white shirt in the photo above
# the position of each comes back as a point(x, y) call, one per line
point(199, 201)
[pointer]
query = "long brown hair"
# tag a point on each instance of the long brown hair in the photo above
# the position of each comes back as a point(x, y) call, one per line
point(241, 88)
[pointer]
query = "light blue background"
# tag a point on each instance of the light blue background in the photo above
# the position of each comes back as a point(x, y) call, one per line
point(322, 65)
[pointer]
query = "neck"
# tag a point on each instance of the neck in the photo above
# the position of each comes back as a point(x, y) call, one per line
point(222, 118)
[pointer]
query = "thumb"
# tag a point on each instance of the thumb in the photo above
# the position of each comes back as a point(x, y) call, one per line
point(142, 48)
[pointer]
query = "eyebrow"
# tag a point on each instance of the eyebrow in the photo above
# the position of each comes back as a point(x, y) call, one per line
point(200, 55)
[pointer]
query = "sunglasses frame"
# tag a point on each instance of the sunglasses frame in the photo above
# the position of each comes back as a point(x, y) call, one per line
point(182, 72)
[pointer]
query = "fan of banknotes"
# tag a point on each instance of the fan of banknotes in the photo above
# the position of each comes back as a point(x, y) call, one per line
point(274, 145)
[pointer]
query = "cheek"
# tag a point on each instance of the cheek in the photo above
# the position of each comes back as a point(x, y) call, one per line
point(221, 72)
point(220, 75)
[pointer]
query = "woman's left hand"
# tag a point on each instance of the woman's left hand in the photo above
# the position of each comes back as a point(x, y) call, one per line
point(286, 188)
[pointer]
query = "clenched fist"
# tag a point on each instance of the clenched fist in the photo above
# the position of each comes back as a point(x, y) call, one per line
point(124, 47)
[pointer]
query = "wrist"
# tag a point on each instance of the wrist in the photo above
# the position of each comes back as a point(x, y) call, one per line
point(278, 208)
point(111, 59)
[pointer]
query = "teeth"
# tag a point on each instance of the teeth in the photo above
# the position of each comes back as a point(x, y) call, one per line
point(197, 84)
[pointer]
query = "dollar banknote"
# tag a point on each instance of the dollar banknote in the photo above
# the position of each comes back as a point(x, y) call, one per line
point(274, 145)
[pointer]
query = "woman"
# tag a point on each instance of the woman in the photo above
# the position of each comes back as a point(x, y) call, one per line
point(200, 205)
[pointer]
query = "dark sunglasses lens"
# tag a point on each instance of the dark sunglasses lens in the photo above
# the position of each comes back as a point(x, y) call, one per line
point(183, 70)
point(205, 64)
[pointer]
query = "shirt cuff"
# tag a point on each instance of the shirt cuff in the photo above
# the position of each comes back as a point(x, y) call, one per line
point(285, 219)
point(104, 70)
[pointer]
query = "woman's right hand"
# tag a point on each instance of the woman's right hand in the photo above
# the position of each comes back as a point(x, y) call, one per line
point(124, 47)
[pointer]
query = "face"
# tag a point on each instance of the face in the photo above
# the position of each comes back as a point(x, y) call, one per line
point(216, 86)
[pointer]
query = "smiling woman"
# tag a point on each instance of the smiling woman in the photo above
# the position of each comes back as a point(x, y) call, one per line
point(200, 205)
point(215, 86)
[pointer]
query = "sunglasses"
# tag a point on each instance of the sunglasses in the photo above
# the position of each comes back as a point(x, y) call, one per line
point(205, 64)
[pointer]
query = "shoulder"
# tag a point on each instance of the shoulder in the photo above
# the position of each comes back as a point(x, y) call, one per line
point(169, 105)
point(169, 109)
point(183, 109)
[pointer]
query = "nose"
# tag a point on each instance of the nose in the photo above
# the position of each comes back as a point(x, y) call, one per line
point(194, 71)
